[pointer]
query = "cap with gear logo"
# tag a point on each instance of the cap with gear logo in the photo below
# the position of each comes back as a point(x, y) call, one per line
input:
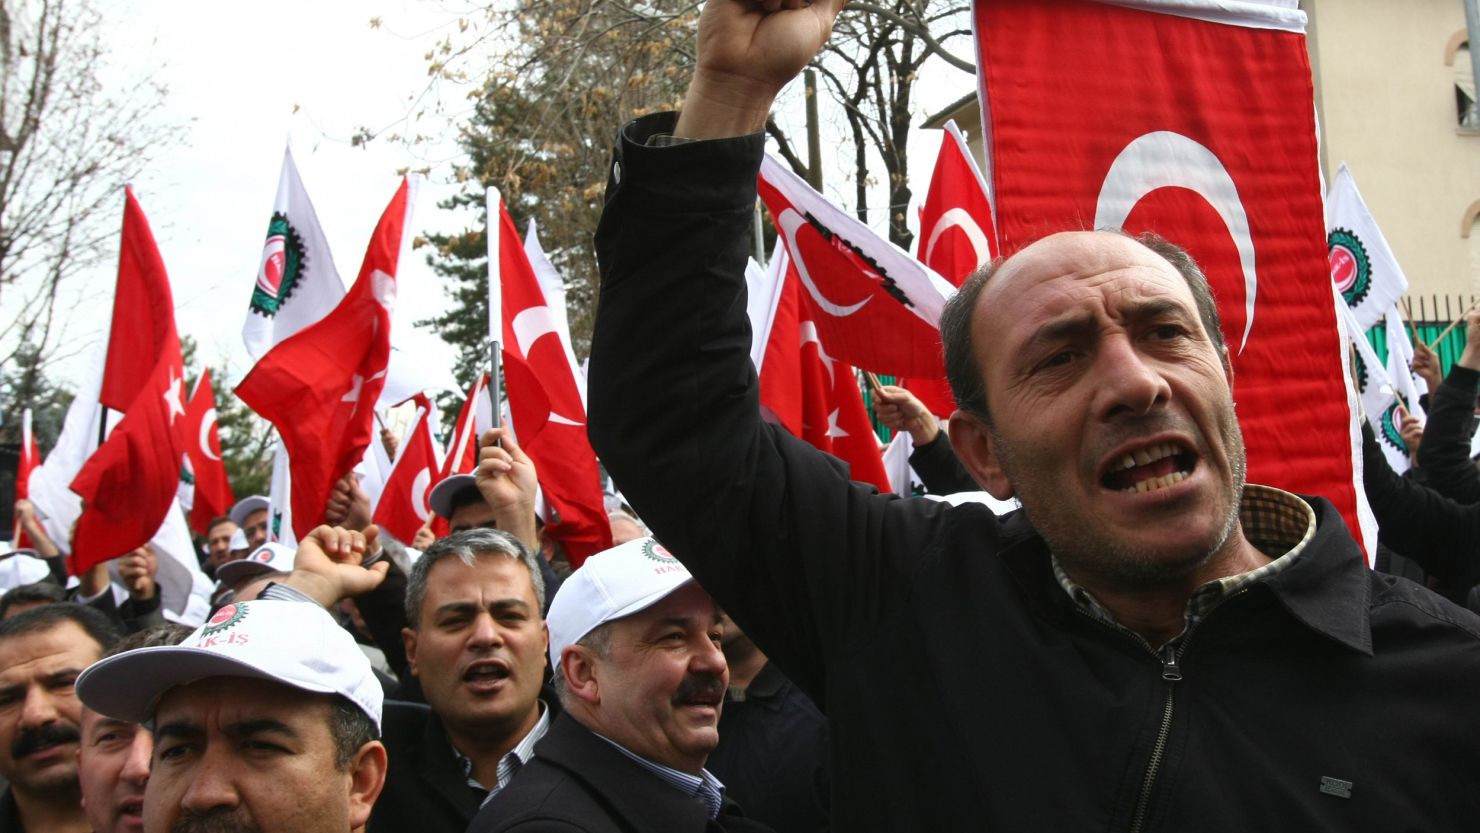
point(611, 585)
point(271, 557)
point(297, 644)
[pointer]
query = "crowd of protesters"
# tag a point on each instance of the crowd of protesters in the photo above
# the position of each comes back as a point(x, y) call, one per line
point(1149, 643)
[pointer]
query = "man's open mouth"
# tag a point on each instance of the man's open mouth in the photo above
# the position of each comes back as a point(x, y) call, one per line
point(486, 672)
point(1148, 469)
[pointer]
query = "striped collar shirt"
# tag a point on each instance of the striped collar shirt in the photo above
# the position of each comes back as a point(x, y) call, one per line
point(509, 764)
point(1276, 522)
point(703, 786)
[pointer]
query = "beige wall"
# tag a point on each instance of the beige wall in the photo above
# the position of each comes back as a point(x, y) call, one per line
point(1386, 104)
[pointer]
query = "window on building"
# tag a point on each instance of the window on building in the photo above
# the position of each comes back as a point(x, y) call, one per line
point(1464, 90)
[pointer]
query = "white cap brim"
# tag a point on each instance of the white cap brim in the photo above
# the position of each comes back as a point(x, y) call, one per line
point(128, 686)
point(245, 507)
point(440, 497)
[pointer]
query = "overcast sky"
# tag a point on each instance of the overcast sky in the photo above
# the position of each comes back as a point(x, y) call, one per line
point(236, 74)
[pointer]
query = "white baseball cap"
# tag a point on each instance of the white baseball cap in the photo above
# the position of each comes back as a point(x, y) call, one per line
point(246, 506)
point(297, 644)
point(238, 541)
point(611, 585)
point(21, 567)
point(271, 557)
point(440, 497)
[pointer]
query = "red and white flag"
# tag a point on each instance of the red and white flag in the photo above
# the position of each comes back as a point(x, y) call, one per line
point(319, 386)
point(402, 508)
point(212, 496)
point(815, 396)
point(475, 417)
point(128, 485)
point(876, 307)
point(30, 459)
point(546, 404)
point(1193, 119)
point(957, 234)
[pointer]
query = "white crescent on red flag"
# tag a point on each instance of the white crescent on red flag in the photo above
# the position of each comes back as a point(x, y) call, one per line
point(212, 494)
point(547, 406)
point(403, 508)
point(876, 306)
point(128, 485)
point(1194, 120)
point(319, 386)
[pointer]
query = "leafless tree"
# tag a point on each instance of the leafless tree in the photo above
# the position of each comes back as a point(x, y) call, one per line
point(68, 142)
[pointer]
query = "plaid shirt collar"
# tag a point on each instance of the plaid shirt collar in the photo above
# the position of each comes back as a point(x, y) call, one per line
point(1276, 522)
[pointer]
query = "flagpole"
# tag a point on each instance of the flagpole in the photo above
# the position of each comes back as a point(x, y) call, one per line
point(495, 303)
point(1455, 323)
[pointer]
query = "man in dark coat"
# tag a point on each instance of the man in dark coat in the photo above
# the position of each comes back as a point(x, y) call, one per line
point(642, 679)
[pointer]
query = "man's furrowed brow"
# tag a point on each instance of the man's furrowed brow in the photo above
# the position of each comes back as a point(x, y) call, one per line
point(176, 730)
point(258, 726)
point(1153, 309)
point(1068, 328)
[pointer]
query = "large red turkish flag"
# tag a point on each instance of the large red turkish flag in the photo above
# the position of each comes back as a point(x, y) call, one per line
point(318, 387)
point(1200, 126)
point(213, 497)
point(129, 483)
point(547, 405)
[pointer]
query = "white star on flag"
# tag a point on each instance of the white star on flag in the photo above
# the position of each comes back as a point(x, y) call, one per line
point(174, 396)
point(833, 430)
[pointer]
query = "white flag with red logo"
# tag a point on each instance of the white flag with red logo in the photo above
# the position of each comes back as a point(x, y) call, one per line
point(876, 307)
point(1363, 267)
point(1195, 120)
point(403, 508)
point(297, 283)
point(812, 394)
point(211, 495)
point(546, 404)
point(319, 387)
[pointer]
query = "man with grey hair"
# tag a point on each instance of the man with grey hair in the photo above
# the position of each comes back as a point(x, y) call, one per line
point(476, 641)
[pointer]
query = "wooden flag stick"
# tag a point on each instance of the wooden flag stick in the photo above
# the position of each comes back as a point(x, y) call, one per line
point(873, 382)
point(1408, 316)
point(1455, 323)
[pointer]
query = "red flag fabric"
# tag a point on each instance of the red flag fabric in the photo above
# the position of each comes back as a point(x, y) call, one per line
point(814, 395)
point(547, 406)
point(876, 306)
point(129, 483)
point(318, 387)
point(403, 508)
point(30, 459)
point(1197, 125)
point(474, 418)
point(956, 229)
point(957, 234)
point(213, 497)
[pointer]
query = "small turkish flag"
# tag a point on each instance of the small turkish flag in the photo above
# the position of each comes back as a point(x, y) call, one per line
point(129, 483)
point(318, 387)
point(213, 497)
point(403, 508)
point(876, 306)
point(812, 394)
point(547, 405)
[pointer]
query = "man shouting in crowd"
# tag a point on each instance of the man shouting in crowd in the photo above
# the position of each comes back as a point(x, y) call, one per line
point(1150, 644)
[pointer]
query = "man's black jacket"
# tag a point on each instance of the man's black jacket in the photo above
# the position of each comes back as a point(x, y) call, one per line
point(963, 688)
point(578, 782)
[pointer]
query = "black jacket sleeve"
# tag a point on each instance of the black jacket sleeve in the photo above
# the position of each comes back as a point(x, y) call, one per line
point(1444, 453)
point(384, 611)
point(1442, 536)
point(939, 468)
point(802, 558)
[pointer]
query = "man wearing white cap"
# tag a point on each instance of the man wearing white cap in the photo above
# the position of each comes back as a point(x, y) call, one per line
point(635, 643)
point(250, 514)
point(265, 719)
point(269, 559)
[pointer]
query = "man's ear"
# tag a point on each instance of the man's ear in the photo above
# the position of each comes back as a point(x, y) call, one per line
point(366, 778)
point(581, 676)
point(976, 448)
point(1227, 365)
point(408, 638)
